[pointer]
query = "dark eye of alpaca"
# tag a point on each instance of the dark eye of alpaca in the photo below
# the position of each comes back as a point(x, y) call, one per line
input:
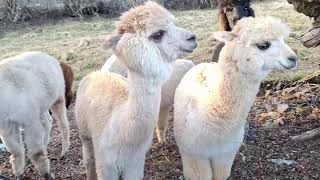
point(246, 8)
point(229, 9)
point(264, 45)
point(157, 36)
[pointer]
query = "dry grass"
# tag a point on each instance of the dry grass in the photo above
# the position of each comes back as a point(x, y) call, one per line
point(79, 42)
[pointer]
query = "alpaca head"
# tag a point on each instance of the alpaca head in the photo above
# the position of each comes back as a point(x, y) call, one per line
point(154, 22)
point(234, 10)
point(140, 55)
point(256, 45)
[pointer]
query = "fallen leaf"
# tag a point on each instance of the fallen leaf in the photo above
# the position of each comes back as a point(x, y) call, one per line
point(281, 108)
point(268, 107)
point(268, 93)
point(274, 115)
point(302, 111)
point(278, 122)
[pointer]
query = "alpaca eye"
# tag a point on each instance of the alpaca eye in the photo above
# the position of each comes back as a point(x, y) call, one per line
point(245, 9)
point(264, 46)
point(157, 36)
point(229, 10)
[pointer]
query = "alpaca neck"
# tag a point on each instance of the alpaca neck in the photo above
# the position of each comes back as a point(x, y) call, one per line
point(232, 95)
point(143, 102)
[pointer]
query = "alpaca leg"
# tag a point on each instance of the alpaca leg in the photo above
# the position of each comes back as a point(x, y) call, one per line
point(162, 124)
point(195, 168)
point(88, 158)
point(222, 167)
point(46, 121)
point(36, 149)
point(135, 171)
point(14, 144)
point(108, 172)
point(60, 115)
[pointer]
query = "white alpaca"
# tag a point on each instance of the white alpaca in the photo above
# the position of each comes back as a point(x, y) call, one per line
point(116, 116)
point(179, 68)
point(31, 84)
point(213, 100)
point(144, 21)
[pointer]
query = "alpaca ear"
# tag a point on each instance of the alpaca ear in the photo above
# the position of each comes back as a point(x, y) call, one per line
point(223, 22)
point(224, 36)
point(112, 42)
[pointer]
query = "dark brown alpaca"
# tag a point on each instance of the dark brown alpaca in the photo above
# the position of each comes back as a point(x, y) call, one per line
point(229, 12)
point(68, 78)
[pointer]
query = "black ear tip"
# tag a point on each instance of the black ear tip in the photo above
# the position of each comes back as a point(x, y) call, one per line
point(112, 42)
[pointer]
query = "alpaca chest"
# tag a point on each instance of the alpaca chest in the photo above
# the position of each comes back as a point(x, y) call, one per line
point(207, 139)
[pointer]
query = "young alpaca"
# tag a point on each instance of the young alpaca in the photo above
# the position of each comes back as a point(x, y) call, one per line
point(31, 84)
point(115, 116)
point(182, 41)
point(213, 100)
point(68, 75)
point(229, 12)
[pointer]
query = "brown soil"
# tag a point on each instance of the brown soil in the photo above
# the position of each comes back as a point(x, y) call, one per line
point(267, 138)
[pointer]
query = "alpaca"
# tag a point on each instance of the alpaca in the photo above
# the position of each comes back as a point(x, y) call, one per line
point(31, 84)
point(116, 116)
point(179, 68)
point(213, 100)
point(130, 23)
point(229, 12)
point(68, 75)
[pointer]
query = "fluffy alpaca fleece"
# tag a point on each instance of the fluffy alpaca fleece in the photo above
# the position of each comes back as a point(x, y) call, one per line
point(68, 75)
point(179, 68)
point(213, 100)
point(116, 116)
point(147, 20)
point(229, 12)
point(31, 84)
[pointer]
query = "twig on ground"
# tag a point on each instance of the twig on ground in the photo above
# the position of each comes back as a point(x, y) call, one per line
point(306, 135)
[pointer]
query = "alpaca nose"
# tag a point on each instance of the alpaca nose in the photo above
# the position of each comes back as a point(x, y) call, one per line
point(191, 37)
point(292, 59)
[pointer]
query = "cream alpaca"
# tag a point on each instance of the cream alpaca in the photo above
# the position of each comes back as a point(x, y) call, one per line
point(116, 117)
point(212, 101)
point(146, 20)
point(31, 84)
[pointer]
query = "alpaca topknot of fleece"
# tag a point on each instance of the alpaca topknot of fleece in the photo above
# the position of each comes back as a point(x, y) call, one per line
point(144, 18)
point(259, 29)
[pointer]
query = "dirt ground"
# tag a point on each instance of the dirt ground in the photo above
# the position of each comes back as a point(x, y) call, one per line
point(275, 116)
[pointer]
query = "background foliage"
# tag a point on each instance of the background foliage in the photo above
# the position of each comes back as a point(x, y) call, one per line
point(22, 10)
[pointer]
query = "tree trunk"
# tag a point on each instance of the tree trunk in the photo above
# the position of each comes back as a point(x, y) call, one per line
point(310, 8)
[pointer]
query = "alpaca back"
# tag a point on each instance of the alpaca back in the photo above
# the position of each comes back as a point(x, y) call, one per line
point(31, 80)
